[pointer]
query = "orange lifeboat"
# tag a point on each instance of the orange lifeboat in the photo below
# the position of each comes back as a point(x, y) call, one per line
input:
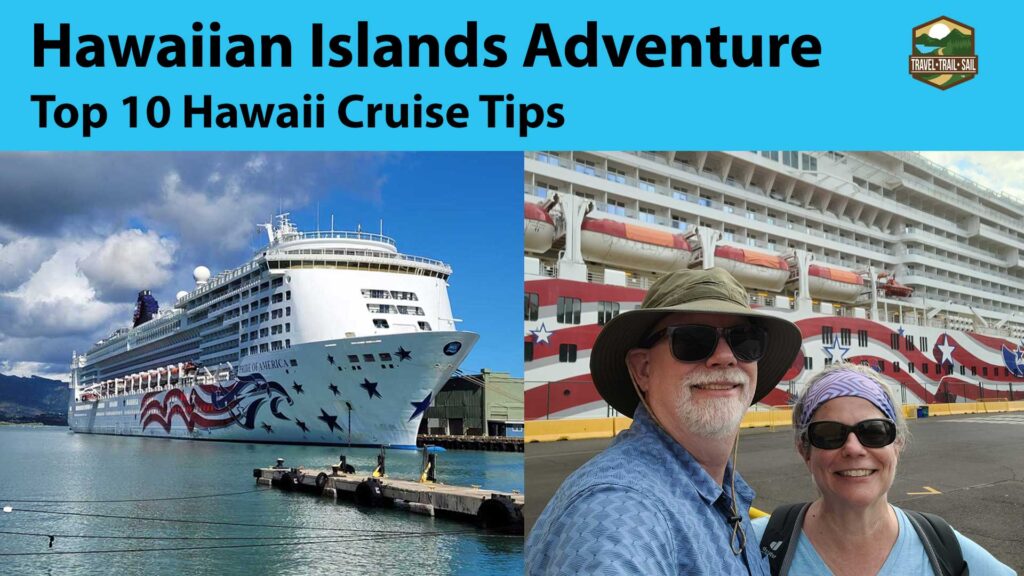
point(753, 268)
point(538, 229)
point(890, 287)
point(834, 283)
point(631, 246)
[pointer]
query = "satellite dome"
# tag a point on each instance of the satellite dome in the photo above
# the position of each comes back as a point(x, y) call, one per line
point(181, 294)
point(201, 274)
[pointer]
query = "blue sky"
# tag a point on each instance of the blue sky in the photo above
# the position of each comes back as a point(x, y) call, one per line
point(81, 233)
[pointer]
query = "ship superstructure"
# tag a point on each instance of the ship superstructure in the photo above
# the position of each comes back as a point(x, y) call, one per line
point(322, 337)
point(886, 259)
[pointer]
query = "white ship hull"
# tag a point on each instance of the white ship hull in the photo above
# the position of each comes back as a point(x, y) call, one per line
point(368, 391)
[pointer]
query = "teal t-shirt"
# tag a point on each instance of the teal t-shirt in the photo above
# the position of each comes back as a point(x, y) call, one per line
point(907, 556)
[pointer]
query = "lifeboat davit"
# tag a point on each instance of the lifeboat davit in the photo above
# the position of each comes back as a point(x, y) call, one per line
point(631, 246)
point(834, 283)
point(890, 287)
point(753, 268)
point(538, 229)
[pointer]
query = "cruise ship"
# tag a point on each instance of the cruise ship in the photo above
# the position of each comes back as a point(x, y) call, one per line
point(884, 259)
point(322, 337)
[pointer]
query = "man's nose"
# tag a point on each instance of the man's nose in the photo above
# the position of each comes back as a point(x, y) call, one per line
point(722, 357)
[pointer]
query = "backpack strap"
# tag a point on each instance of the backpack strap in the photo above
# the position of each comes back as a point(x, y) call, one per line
point(778, 542)
point(940, 543)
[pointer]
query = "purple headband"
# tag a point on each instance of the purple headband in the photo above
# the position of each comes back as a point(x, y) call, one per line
point(844, 383)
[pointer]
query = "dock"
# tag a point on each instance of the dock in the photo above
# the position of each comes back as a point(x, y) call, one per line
point(488, 509)
point(486, 443)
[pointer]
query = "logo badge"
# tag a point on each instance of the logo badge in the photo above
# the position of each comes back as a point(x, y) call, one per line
point(1014, 359)
point(452, 348)
point(942, 53)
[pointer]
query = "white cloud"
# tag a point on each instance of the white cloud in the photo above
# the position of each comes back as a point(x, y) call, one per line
point(29, 369)
point(21, 257)
point(127, 262)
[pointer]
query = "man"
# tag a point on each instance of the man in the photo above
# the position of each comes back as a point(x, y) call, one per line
point(663, 498)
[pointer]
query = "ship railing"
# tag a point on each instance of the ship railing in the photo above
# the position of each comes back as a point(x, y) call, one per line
point(223, 278)
point(342, 235)
point(921, 161)
point(335, 254)
point(689, 196)
point(1014, 281)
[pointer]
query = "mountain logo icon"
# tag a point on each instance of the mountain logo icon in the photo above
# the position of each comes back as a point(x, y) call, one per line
point(942, 53)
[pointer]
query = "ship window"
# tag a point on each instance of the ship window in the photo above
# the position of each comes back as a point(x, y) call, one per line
point(288, 295)
point(647, 215)
point(253, 349)
point(679, 193)
point(385, 357)
point(277, 282)
point(826, 334)
point(895, 366)
point(586, 167)
point(567, 353)
point(646, 184)
point(288, 344)
point(984, 370)
point(264, 348)
point(278, 298)
point(531, 306)
point(367, 357)
point(809, 162)
point(910, 367)
point(276, 345)
point(264, 332)
point(844, 336)
point(276, 329)
point(894, 341)
point(828, 361)
point(606, 311)
point(924, 343)
point(616, 175)
point(729, 234)
point(881, 366)
point(974, 370)
point(245, 308)
point(924, 367)
point(616, 207)
point(244, 338)
point(353, 358)
point(910, 343)
point(288, 311)
point(288, 327)
point(569, 310)
point(808, 363)
point(527, 351)
point(243, 353)
point(425, 326)
point(380, 323)
point(963, 369)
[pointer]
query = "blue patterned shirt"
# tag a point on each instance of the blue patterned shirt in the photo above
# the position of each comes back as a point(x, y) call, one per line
point(643, 506)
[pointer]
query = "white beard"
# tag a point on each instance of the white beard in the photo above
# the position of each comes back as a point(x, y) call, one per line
point(714, 418)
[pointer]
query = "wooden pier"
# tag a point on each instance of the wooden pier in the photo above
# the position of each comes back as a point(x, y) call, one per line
point(487, 443)
point(489, 509)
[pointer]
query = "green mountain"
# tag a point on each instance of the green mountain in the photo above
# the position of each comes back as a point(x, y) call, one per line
point(22, 398)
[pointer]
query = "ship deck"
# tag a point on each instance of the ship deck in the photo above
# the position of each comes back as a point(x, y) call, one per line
point(973, 461)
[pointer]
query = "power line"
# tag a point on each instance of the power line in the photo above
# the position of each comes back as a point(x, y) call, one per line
point(228, 546)
point(112, 537)
point(205, 522)
point(5, 500)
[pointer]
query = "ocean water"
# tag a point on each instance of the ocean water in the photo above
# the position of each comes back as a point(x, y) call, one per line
point(287, 533)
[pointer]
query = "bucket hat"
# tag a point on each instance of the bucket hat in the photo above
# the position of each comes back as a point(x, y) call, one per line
point(712, 291)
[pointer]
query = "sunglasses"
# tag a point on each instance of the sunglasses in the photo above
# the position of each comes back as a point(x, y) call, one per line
point(874, 433)
point(697, 342)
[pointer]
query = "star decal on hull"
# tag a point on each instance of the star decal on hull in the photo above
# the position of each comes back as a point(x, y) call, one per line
point(944, 349)
point(297, 387)
point(330, 359)
point(334, 389)
point(302, 425)
point(370, 387)
point(542, 335)
point(330, 420)
point(403, 354)
point(836, 352)
point(420, 407)
point(268, 428)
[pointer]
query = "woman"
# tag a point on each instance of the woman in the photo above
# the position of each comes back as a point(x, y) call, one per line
point(850, 433)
